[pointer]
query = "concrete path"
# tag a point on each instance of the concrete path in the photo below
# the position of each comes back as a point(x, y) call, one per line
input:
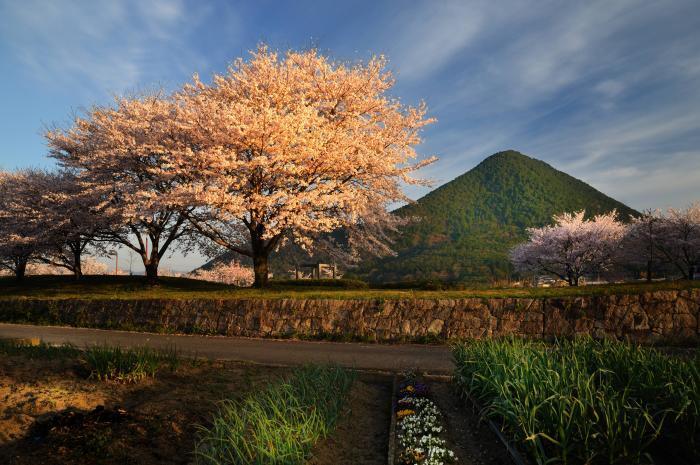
point(382, 357)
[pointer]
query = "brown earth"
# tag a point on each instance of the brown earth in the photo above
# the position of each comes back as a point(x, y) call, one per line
point(50, 414)
point(361, 435)
point(470, 439)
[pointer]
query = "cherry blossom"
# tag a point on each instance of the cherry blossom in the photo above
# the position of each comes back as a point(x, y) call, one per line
point(289, 147)
point(124, 155)
point(572, 247)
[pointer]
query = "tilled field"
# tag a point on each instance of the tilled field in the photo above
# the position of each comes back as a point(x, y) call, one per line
point(51, 413)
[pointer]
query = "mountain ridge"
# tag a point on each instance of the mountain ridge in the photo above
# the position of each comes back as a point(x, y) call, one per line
point(468, 224)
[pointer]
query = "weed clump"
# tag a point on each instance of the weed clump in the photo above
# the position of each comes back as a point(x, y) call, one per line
point(127, 365)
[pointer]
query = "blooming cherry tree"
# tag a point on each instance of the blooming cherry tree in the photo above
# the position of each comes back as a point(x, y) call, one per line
point(640, 246)
point(123, 155)
point(680, 239)
point(572, 247)
point(71, 217)
point(227, 273)
point(292, 147)
point(20, 228)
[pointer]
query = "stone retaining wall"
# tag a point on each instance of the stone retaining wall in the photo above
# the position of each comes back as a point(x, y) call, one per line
point(668, 315)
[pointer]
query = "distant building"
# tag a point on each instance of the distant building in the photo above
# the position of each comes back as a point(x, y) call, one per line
point(315, 271)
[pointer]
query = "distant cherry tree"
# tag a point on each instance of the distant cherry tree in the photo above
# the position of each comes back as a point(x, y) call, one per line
point(571, 247)
point(641, 245)
point(124, 155)
point(294, 146)
point(89, 266)
point(680, 239)
point(226, 273)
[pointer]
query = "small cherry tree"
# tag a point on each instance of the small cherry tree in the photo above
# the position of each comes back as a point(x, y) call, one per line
point(227, 273)
point(20, 228)
point(293, 147)
point(572, 247)
point(124, 155)
point(71, 217)
point(680, 239)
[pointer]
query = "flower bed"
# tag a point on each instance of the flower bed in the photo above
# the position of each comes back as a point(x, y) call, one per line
point(420, 427)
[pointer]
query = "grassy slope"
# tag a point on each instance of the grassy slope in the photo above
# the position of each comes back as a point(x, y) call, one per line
point(135, 287)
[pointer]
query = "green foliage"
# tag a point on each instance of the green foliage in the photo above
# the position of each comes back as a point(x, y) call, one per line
point(278, 425)
point(41, 350)
point(584, 401)
point(468, 225)
point(127, 365)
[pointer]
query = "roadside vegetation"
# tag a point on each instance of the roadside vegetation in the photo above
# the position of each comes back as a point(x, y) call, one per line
point(107, 363)
point(101, 362)
point(277, 425)
point(138, 287)
point(585, 401)
point(40, 350)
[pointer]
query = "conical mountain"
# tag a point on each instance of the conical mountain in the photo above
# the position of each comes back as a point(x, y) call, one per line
point(468, 225)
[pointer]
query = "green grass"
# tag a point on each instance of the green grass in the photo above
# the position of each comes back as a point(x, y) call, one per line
point(37, 351)
point(584, 401)
point(136, 287)
point(107, 363)
point(278, 425)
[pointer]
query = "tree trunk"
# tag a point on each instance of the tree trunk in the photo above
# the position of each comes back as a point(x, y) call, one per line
point(20, 269)
point(77, 266)
point(649, 267)
point(260, 269)
point(152, 270)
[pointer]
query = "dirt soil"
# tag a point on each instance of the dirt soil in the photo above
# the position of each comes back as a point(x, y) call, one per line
point(361, 435)
point(51, 414)
point(471, 440)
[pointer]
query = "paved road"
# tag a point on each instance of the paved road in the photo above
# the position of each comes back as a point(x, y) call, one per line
point(382, 357)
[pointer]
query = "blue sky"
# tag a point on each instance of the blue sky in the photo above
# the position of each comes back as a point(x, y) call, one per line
point(606, 91)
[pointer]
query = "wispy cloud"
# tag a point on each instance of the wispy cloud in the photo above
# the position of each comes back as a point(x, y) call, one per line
point(423, 40)
point(102, 45)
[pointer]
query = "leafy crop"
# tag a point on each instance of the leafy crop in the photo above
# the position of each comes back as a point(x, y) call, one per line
point(277, 425)
point(585, 401)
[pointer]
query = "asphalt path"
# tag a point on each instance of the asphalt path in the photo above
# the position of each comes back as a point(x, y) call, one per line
point(429, 359)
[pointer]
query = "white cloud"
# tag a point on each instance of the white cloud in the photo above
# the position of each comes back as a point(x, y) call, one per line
point(610, 88)
point(106, 46)
point(423, 40)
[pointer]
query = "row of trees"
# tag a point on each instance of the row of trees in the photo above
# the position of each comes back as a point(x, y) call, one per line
point(280, 148)
point(574, 247)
